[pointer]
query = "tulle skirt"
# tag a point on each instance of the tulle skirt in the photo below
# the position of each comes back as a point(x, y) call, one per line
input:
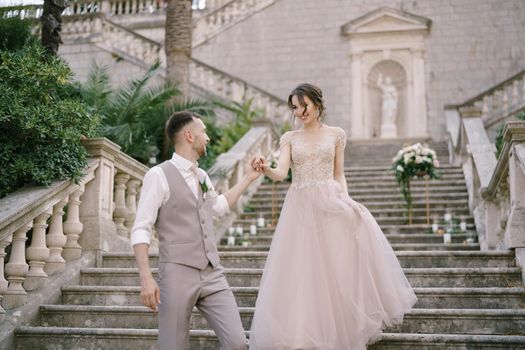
point(331, 280)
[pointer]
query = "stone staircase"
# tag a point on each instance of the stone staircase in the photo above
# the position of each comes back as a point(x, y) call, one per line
point(467, 299)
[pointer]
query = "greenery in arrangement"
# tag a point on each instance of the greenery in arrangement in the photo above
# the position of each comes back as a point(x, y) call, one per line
point(499, 137)
point(413, 161)
point(134, 115)
point(42, 119)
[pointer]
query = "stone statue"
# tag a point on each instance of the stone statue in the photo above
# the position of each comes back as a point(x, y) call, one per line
point(389, 107)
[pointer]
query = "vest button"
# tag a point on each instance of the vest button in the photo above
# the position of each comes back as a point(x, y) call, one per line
point(205, 236)
point(203, 221)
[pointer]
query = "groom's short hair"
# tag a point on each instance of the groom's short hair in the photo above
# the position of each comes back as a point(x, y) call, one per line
point(177, 121)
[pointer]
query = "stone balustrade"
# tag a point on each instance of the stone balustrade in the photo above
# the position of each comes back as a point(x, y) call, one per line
point(501, 101)
point(230, 88)
point(65, 221)
point(229, 168)
point(225, 15)
point(496, 187)
point(113, 8)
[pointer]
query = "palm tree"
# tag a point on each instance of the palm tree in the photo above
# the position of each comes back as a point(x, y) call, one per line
point(52, 25)
point(178, 44)
point(134, 116)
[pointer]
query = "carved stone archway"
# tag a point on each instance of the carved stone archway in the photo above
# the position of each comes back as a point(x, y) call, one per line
point(387, 41)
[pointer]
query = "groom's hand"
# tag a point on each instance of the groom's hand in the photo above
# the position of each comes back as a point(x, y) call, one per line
point(251, 171)
point(150, 293)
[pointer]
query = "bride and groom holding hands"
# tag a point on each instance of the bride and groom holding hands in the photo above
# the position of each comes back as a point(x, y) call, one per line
point(331, 279)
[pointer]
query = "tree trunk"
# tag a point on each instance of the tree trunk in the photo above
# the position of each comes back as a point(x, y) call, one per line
point(52, 25)
point(178, 44)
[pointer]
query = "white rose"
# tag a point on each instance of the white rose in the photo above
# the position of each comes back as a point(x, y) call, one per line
point(427, 160)
point(436, 163)
point(419, 160)
point(400, 168)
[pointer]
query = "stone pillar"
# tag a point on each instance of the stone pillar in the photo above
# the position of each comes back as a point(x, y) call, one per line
point(73, 227)
point(356, 126)
point(3, 282)
point(16, 270)
point(55, 241)
point(515, 233)
point(120, 213)
point(131, 203)
point(37, 253)
point(96, 209)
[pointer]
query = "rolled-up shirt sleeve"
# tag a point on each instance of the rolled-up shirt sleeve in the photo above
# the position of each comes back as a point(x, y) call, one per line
point(152, 196)
point(220, 207)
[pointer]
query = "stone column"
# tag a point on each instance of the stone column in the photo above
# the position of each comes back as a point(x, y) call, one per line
point(120, 213)
point(55, 241)
point(515, 233)
point(73, 227)
point(96, 209)
point(16, 270)
point(356, 126)
point(37, 253)
point(3, 282)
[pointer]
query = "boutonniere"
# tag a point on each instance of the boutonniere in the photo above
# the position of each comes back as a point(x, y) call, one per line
point(202, 181)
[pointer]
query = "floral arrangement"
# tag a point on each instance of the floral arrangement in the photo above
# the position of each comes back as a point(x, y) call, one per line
point(411, 161)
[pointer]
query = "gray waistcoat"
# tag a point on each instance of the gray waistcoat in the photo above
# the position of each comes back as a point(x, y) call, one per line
point(185, 225)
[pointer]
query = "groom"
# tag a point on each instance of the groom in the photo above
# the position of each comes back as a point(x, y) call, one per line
point(178, 198)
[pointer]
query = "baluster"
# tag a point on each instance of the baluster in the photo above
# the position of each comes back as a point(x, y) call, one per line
point(73, 226)
point(505, 99)
point(119, 215)
point(485, 107)
point(515, 94)
point(495, 101)
point(131, 203)
point(134, 6)
point(3, 282)
point(16, 270)
point(523, 89)
point(56, 239)
point(37, 253)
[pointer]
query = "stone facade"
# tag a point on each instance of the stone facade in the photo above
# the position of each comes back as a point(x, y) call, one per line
point(471, 45)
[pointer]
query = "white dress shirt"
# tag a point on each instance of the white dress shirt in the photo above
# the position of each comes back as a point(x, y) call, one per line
point(155, 192)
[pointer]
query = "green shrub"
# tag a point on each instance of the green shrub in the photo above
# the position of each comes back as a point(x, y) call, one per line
point(42, 120)
point(14, 31)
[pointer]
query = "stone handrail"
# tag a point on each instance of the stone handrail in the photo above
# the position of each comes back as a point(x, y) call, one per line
point(100, 211)
point(230, 88)
point(143, 51)
point(500, 101)
point(224, 17)
point(229, 167)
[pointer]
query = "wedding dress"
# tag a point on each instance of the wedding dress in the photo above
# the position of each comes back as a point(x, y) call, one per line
point(331, 280)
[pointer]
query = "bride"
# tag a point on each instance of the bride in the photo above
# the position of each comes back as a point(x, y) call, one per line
point(331, 280)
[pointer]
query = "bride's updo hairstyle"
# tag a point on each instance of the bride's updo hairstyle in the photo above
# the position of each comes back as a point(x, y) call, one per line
point(314, 94)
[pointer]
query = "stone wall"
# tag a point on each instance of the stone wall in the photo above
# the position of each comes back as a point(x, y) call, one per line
point(472, 45)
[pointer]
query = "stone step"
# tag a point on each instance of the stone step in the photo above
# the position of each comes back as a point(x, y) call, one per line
point(98, 282)
point(390, 177)
point(408, 259)
point(418, 226)
point(449, 321)
point(394, 197)
point(254, 246)
point(381, 219)
point(115, 338)
point(380, 204)
point(434, 212)
point(414, 185)
point(265, 235)
point(351, 167)
point(382, 190)
point(461, 298)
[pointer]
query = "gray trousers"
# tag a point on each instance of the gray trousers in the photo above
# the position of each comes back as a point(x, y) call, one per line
point(183, 287)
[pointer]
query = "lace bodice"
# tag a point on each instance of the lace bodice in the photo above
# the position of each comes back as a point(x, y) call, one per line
point(312, 160)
